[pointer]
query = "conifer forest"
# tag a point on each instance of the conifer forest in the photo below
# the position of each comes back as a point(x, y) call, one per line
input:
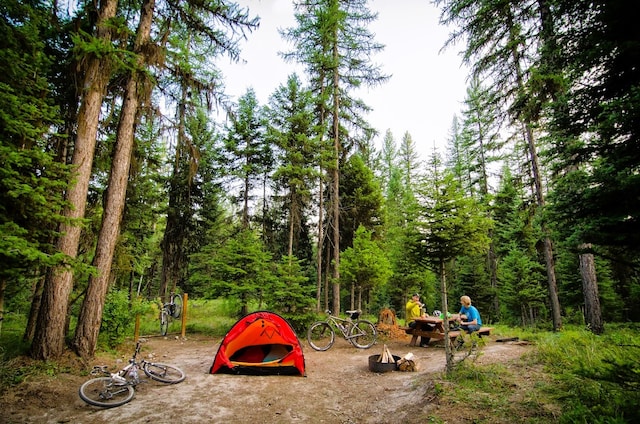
point(116, 180)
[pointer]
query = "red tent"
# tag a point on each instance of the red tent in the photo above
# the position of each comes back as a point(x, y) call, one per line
point(260, 343)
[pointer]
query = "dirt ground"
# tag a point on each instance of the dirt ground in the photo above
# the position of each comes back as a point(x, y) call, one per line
point(338, 388)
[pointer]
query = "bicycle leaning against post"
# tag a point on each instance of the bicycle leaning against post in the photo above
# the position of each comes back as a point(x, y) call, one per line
point(115, 389)
point(170, 309)
point(359, 332)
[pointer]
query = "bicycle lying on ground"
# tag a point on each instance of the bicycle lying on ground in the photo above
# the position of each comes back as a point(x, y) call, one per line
point(171, 309)
point(115, 389)
point(359, 332)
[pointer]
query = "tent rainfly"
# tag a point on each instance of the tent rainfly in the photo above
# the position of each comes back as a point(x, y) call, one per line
point(260, 343)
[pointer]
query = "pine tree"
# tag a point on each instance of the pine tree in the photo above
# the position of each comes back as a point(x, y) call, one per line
point(361, 200)
point(408, 160)
point(333, 42)
point(478, 146)
point(365, 268)
point(499, 49)
point(452, 224)
point(290, 128)
point(247, 151)
point(240, 269)
point(387, 159)
point(31, 180)
point(520, 273)
point(195, 35)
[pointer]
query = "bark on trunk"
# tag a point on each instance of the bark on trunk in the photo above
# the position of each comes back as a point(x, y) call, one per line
point(335, 181)
point(3, 286)
point(321, 231)
point(48, 340)
point(592, 311)
point(320, 246)
point(353, 296)
point(36, 300)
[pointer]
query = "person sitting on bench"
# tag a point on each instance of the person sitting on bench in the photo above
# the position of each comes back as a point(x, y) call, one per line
point(414, 310)
point(469, 317)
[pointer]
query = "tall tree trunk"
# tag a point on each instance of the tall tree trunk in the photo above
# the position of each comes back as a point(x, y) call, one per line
point(322, 113)
point(327, 277)
point(36, 300)
point(3, 287)
point(173, 240)
point(86, 338)
point(335, 181)
point(552, 285)
point(353, 296)
point(320, 245)
point(245, 203)
point(48, 340)
point(593, 314)
point(291, 231)
point(547, 247)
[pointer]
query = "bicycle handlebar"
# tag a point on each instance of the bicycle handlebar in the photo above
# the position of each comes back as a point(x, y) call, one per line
point(100, 369)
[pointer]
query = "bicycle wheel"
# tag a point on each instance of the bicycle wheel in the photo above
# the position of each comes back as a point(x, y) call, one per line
point(321, 336)
point(176, 309)
point(104, 392)
point(363, 334)
point(164, 322)
point(164, 373)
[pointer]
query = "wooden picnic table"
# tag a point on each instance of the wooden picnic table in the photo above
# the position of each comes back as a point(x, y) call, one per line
point(433, 328)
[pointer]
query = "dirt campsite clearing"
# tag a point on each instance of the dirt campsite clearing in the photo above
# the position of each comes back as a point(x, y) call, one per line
point(338, 388)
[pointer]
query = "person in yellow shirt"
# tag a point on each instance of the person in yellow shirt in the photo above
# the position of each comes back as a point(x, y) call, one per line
point(414, 310)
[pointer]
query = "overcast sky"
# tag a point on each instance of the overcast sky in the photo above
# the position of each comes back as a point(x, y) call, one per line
point(427, 86)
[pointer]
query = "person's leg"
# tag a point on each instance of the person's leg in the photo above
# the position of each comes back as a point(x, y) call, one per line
point(471, 328)
point(424, 341)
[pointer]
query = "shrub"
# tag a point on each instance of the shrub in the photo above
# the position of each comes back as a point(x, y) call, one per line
point(118, 317)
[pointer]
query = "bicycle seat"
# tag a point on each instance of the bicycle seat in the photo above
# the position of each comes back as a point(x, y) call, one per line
point(353, 314)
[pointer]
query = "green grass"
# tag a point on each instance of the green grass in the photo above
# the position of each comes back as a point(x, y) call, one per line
point(596, 377)
point(208, 317)
point(571, 376)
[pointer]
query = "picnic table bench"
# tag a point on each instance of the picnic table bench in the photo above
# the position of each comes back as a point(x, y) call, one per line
point(433, 328)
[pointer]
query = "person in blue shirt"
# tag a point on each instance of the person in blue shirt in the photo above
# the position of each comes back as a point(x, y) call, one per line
point(469, 317)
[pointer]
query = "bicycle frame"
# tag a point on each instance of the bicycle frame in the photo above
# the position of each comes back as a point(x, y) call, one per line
point(359, 332)
point(345, 325)
point(342, 324)
point(127, 375)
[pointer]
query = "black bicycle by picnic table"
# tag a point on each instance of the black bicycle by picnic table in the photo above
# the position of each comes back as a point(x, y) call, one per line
point(359, 332)
point(115, 389)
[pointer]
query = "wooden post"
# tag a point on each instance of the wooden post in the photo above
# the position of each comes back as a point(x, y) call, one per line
point(136, 331)
point(185, 302)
